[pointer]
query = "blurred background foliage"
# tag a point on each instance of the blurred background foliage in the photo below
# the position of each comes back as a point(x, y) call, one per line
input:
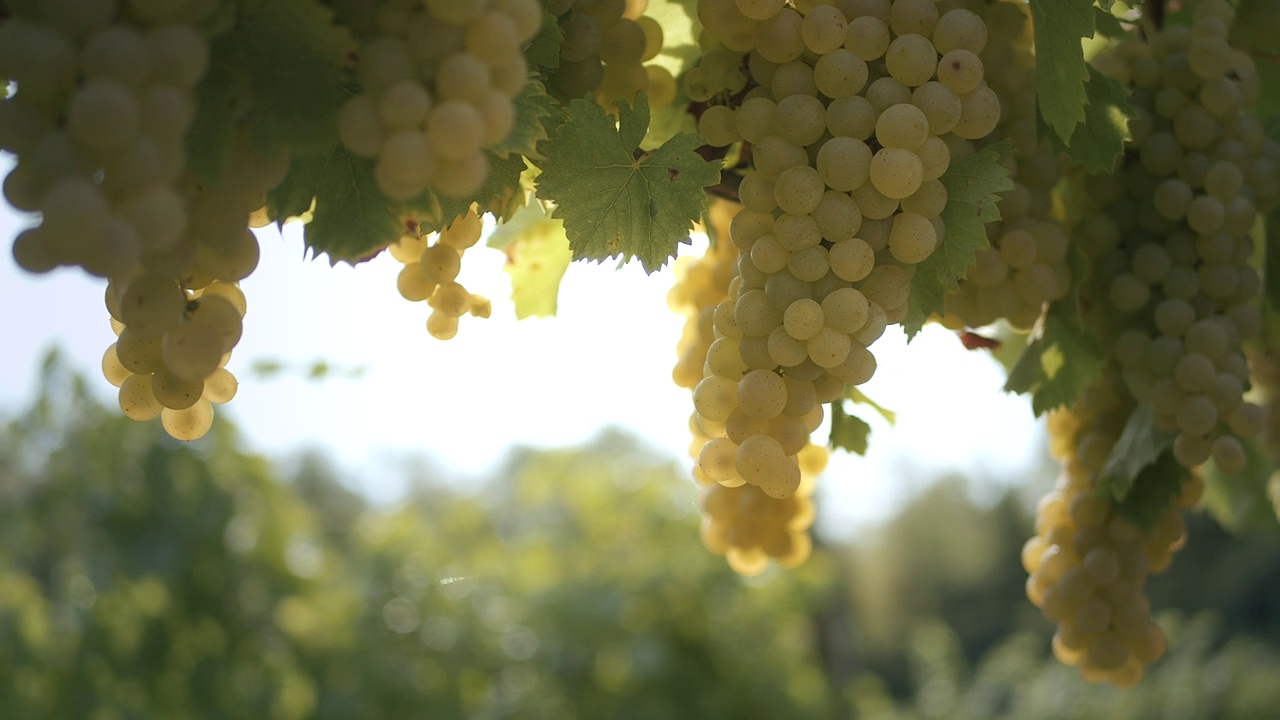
point(145, 578)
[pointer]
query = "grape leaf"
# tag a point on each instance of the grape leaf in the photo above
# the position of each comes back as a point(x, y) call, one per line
point(858, 396)
point(1153, 490)
point(537, 256)
point(616, 201)
point(351, 220)
point(282, 66)
point(1108, 25)
point(848, 432)
point(501, 194)
point(1058, 363)
point(1060, 25)
point(1098, 142)
point(544, 49)
point(535, 112)
point(1240, 502)
point(973, 187)
point(1139, 446)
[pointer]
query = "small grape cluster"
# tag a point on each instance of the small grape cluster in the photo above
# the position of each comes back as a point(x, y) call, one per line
point(439, 80)
point(605, 52)
point(1087, 563)
point(1170, 246)
point(430, 274)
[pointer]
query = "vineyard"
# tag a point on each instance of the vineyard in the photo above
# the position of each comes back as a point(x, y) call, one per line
point(1094, 184)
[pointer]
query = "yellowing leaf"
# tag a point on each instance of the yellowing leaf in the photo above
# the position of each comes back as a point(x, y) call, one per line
point(537, 256)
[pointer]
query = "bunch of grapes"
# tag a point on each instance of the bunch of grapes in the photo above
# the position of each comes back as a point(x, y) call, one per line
point(605, 52)
point(848, 123)
point(430, 274)
point(1026, 265)
point(98, 122)
point(1087, 563)
point(739, 521)
point(1169, 243)
point(438, 80)
point(105, 95)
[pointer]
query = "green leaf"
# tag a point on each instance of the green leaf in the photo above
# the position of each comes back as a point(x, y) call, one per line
point(1099, 141)
point(973, 188)
point(858, 396)
point(616, 201)
point(848, 432)
point(1058, 363)
point(352, 220)
point(535, 112)
point(282, 66)
point(537, 255)
point(1061, 73)
point(1139, 446)
point(544, 49)
point(501, 194)
point(1240, 502)
point(1154, 489)
point(1107, 25)
point(220, 97)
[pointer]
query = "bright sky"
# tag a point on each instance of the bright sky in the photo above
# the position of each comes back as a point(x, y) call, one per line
point(604, 360)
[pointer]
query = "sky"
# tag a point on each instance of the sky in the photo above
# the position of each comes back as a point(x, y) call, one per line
point(604, 360)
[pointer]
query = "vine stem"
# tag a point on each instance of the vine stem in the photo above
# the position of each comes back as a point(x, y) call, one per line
point(1155, 11)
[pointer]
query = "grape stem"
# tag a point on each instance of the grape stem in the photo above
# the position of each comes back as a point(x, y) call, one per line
point(1155, 11)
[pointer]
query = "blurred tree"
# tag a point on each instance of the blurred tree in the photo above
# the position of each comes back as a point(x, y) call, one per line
point(144, 578)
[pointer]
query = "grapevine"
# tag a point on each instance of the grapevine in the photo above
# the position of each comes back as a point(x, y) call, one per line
point(1098, 183)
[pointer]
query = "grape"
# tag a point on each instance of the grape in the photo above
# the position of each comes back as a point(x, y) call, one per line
point(912, 60)
point(896, 173)
point(902, 126)
point(137, 401)
point(844, 163)
point(960, 70)
point(840, 73)
point(189, 423)
point(867, 37)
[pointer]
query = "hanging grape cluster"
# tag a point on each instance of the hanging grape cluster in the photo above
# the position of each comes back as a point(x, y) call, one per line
point(431, 264)
point(104, 98)
point(847, 119)
point(438, 85)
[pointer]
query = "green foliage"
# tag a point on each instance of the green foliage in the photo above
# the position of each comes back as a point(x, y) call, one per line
point(535, 111)
point(615, 200)
point(1140, 445)
point(848, 431)
point(1061, 73)
point(291, 108)
point(146, 578)
point(1098, 143)
point(1059, 361)
point(973, 188)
